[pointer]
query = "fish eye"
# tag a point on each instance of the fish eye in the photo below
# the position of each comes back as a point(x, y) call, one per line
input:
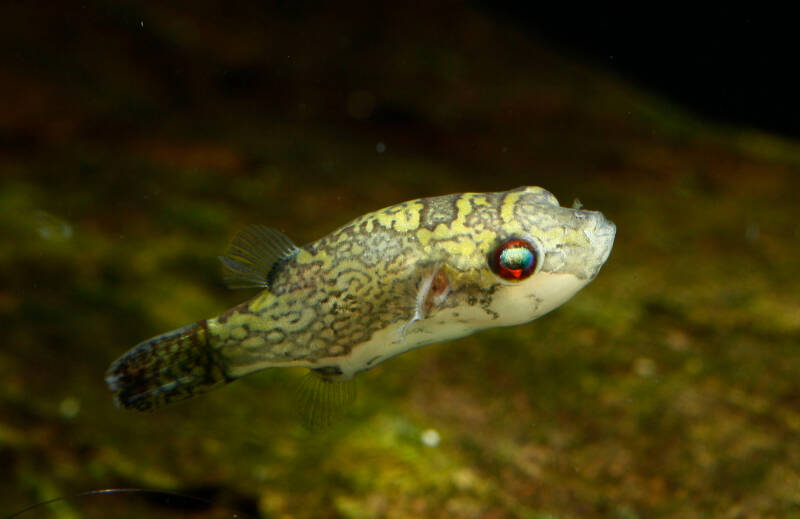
point(514, 259)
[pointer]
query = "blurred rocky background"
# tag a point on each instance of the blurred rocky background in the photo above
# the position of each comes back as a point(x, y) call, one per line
point(135, 138)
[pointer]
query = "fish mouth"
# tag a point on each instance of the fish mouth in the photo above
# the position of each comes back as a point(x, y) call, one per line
point(602, 238)
point(605, 228)
point(600, 233)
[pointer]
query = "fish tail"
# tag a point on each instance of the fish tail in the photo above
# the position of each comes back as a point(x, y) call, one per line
point(168, 368)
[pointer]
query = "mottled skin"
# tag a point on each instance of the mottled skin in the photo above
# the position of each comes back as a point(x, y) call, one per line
point(395, 279)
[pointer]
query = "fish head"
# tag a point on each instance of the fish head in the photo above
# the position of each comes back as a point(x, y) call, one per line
point(525, 255)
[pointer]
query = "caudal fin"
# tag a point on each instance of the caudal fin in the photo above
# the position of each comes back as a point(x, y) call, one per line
point(166, 369)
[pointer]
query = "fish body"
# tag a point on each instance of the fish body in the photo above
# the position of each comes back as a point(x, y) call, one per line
point(416, 273)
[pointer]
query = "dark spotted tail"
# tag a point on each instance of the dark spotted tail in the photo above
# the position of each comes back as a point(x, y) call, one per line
point(166, 369)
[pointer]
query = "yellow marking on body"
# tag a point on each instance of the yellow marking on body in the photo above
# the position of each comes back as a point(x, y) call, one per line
point(424, 236)
point(239, 333)
point(306, 316)
point(443, 231)
point(459, 246)
point(262, 302)
point(480, 200)
point(253, 342)
point(507, 209)
point(464, 206)
point(339, 239)
point(348, 272)
point(485, 236)
point(304, 257)
point(404, 220)
point(254, 321)
point(457, 229)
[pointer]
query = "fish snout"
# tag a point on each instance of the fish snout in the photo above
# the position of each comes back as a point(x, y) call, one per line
point(600, 233)
point(602, 237)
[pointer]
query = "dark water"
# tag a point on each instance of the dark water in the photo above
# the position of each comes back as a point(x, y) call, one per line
point(135, 140)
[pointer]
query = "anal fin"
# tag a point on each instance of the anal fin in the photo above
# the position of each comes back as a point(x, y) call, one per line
point(322, 399)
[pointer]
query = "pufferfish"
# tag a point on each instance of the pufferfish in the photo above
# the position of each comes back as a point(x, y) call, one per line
point(416, 273)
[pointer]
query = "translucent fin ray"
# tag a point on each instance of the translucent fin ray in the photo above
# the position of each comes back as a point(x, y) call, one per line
point(253, 254)
point(321, 401)
point(431, 291)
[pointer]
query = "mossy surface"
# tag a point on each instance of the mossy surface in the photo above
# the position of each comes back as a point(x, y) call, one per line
point(668, 387)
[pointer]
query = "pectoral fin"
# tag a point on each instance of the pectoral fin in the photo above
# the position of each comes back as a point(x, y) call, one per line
point(431, 292)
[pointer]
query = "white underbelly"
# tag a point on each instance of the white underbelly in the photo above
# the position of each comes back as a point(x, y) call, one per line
point(514, 304)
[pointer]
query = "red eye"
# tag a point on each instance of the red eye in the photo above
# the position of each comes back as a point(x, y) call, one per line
point(514, 259)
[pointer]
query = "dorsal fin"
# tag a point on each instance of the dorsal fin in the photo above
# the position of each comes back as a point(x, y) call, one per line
point(253, 254)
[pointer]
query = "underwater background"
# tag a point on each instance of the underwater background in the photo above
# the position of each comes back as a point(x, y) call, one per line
point(136, 139)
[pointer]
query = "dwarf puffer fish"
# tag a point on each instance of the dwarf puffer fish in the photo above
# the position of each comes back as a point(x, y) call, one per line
point(416, 273)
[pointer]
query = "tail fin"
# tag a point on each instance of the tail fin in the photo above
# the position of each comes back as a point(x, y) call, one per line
point(166, 369)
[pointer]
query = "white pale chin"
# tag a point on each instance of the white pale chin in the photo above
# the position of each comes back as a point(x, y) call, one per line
point(543, 292)
point(514, 304)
